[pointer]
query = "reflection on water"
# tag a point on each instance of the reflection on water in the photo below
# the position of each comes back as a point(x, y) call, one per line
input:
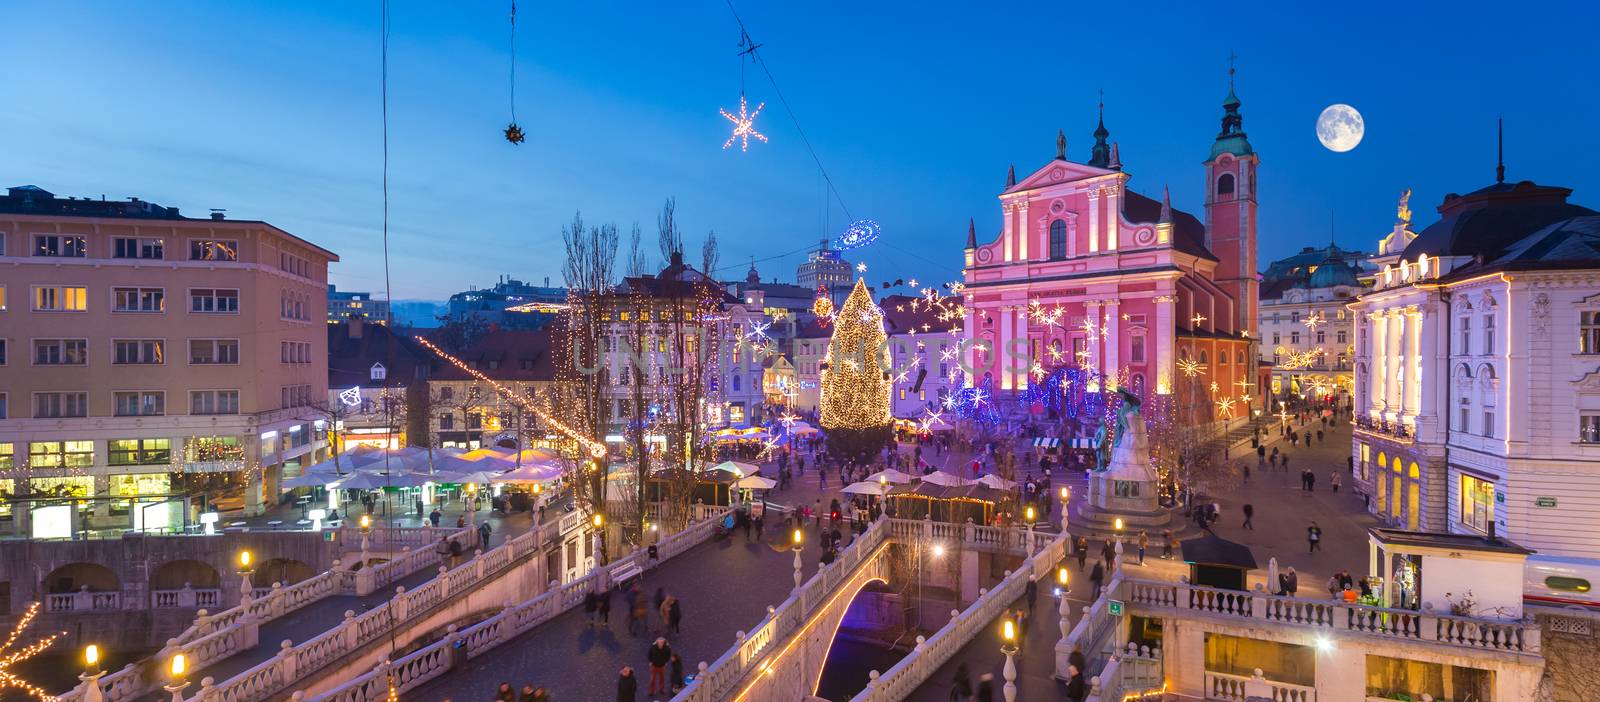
point(849, 661)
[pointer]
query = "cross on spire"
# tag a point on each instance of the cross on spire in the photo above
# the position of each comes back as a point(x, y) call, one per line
point(1231, 58)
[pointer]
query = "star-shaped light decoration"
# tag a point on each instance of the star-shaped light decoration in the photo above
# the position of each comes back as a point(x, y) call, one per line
point(1189, 368)
point(912, 283)
point(1313, 320)
point(744, 125)
point(862, 266)
point(1225, 407)
point(1197, 319)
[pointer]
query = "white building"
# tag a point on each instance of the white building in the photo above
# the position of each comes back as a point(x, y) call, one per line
point(1306, 331)
point(1478, 371)
point(922, 347)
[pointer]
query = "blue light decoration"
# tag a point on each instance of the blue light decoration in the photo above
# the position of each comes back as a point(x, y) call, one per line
point(975, 403)
point(861, 232)
point(1065, 391)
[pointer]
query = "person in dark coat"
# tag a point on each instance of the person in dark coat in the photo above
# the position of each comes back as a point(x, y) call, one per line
point(1076, 658)
point(659, 656)
point(985, 691)
point(1096, 576)
point(591, 605)
point(605, 608)
point(676, 683)
point(627, 685)
point(1082, 547)
point(1032, 592)
point(1076, 689)
point(674, 615)
point(505, 693)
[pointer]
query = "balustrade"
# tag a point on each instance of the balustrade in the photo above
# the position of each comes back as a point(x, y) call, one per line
point(1237, 688)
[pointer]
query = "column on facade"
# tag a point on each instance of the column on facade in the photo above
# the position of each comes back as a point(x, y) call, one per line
point(1377, 360)
point(967, 352)
point(1110, 331)
point(1161, 342)
point(1091, 312)
point(1007, 218)
point(1413, 361)
point(1003, 344)
point(1022, 230)
point(1094, 221)
point(1113, 206)
point(1021, 367)
point(1394, 388)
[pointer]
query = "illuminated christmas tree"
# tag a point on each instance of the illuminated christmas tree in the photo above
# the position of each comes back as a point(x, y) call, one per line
point(856, 382)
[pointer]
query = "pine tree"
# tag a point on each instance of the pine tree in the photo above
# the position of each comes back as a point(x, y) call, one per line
point(856, 383)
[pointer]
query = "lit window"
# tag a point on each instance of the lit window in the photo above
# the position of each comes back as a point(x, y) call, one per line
point(1477, 503)
point(60, 298)
point(213, 250)
point(55, 245)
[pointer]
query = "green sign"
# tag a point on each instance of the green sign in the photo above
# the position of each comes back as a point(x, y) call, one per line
point(1544, 501)
point(1114, 608)
point(1500, 497)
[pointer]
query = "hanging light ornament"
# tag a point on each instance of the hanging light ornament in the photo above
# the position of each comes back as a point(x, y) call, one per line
point(744, 123)
point(513, 132)
point(861, 232)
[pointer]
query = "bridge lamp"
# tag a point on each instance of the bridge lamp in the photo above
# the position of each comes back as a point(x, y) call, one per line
point(177, 669)
point(1063, 581)
point(1118, 526)
point(599, 520)
point(91, 660)
point(244, 561)
point(1066, 494)
point(1029, 514)
point(1008, 636)
point(798, 538)
point(938, 550)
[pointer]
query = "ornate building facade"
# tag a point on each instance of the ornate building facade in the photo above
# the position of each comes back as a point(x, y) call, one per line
point(1478, 371)
point(1306, 332)
point(1088, 273)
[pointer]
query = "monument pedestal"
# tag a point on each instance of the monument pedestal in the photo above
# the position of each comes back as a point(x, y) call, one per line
point(1126, 489)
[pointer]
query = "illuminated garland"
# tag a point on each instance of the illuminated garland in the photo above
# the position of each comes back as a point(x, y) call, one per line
point(596, 449)
point(860, 233)
point(855, 384)
point(9, 657)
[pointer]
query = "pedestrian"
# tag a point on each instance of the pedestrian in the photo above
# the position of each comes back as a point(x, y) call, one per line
point(1108, 554)
point(1311, 480)
point(532, 693)
point(1076, 690)
point(1308, 439)
point(1314, 536)
point(1144, 542)
point(504, 693)
point(483, 536)
point(605, 608)
point(637, 612)
point(985, 691)
point(1291, 582)
point(1249, 514)
point(1032, 592)
point(659, 656)
point(1245, 468)
point(1286, 462)
point(674, 614)
point(961, 685)
point(1096, 576)
point(1319, 431)
point(419, 507)
point(675, 671)
point(1333, 586)
point(627, 685)
point(1166, 543)
point(461, 522)
point(443, 549)
point(1333, 477)
point(455, 553)
point(434, 516)
point(1082, 547)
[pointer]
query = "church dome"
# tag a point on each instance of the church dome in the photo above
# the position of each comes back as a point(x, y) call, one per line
point(1333, 272)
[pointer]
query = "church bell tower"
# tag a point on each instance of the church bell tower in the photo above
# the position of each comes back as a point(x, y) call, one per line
point(1231, 213)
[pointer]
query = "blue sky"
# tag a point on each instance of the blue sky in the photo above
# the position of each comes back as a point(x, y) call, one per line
point(271, 110)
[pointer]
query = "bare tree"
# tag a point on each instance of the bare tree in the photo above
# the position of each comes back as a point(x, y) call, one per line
point(670, 236)
point(709, 255)
point(635, 261)
point(589, 270)
point(685, 303)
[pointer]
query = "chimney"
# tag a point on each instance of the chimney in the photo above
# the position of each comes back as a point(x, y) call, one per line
point(218, 214)
point(355, 326)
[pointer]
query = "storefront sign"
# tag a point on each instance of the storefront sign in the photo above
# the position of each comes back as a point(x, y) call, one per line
point(1544, 501)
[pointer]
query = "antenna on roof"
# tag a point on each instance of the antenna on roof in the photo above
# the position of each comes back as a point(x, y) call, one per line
point(1500, 157)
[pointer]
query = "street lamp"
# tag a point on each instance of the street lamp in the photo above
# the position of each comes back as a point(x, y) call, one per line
point(1028, 517)
point(366, 533)
point(89, 680)
point(178, 669)
point(797, 540)
point(1066, 498)
point(246, 590)
point(1008, 646)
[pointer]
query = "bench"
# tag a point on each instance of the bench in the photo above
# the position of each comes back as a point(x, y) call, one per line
point(625, 570)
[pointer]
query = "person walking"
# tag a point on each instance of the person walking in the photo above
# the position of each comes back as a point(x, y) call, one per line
point(961, 685)
point(533, 693)
point(1333, 478)
point(985, 691)
point(1166, 543)
point(1314, 537)
point(659, 656)
point(1082, 547)
point(674, 614)
point(483, 536)
point(1249, 514)
point(504, 693)
point(664, 609)
point(1311, 480)
point(627, 685)
point(675, 670)
point(659, 599)
point(1144, 542)
point(605, 608)
point(1286, 463)
point(1096, 576)
point(1032, 592)
point(434, 517)
point(1076, 689)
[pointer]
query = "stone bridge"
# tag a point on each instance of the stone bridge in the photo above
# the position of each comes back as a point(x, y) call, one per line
point(782, 658)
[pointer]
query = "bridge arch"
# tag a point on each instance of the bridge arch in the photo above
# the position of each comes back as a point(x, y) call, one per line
point(174, 575)
point(856, 599)
point(74, 577)
point(281, 570)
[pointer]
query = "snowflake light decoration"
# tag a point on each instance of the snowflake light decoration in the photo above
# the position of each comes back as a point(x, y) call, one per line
point(1190, 368)
point(1197, 319)
point(1225, 407)
point(744, 125)
point(862, 266)
point(1313, 320)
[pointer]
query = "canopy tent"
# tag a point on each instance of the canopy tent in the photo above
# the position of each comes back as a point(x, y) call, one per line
point(1217, 562)
point(802, 429)
point(311, 480)
point(375, 481)
point(890, 476)
point(946, 503)
point(755, 482)
point(467, 476)
point(347, 462)
point(741, 434)
point(997, 482)
point(866, 487)
point(940, 477)
point(937, 423)
point(737, 468)
point(486, 452)
point(529, 474)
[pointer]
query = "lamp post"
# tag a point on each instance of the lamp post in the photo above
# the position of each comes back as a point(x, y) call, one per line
point(366, 534)
point(1008, 646)
point(1066, 498)
point(472, 503)
point(178, 669)
point(1063, 580)
point(797, 543)
point(89, 679)
point(246, 589)
point(1117, 549)
point(1028, 517)
point(599, 538)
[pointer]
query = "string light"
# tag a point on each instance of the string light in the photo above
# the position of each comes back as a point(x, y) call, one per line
point(1189, 368)
point(1313, 320)
point(597, 449)
point(9, 656)
point(861, 232)
point(744, 125)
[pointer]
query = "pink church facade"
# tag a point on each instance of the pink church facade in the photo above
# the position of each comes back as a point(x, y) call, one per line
point(1087, 273)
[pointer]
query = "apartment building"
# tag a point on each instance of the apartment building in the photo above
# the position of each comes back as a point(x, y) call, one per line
point(152, 365)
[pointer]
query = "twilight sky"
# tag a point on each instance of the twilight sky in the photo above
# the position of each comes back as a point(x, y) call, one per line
point(271, 110)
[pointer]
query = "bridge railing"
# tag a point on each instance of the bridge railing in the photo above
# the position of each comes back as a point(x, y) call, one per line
point(213, 637)
point(915, 669)
point(436, 659)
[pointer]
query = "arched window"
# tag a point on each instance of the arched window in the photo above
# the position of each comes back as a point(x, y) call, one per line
point(1058, 240)
point(1203, 357)
point(1239, 358)
point(736, 383)
point(1225, 184)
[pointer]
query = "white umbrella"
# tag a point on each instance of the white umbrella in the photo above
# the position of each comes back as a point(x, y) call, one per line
point(940, 477)
point(373, 481)
point(311, 480)
point(996, 482)
point(348, 461)
point(756, 482)
point(536, 473)
point(737, 468)
point(891, 475)
point(469, 476)
point(865, 487)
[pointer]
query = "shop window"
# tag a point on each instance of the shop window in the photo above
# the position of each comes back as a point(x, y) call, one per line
point(1477, 503)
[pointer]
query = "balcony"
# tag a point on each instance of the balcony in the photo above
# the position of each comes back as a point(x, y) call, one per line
point(1384, 428)
point(83, 600)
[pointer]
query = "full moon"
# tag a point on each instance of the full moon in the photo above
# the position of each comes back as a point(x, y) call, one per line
point(1340, 128)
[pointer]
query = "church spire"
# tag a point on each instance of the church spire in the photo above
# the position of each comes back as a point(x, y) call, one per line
point(1011, 175)
point(1100, 155)
point(1166, 206)
point(1231, 140)
point(972, 234)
